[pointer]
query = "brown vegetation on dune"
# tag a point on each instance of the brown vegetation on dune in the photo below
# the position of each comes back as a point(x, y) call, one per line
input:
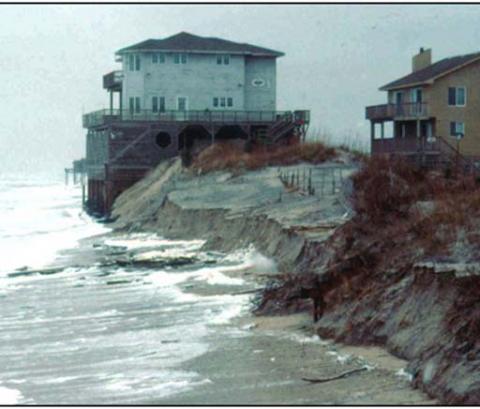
point(381, 283)
point(403, 215)
point(429, 206)
point(230, 156)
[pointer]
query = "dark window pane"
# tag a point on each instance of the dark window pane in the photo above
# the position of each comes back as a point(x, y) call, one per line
point(452, 128)
point(161, 57)
point(137, 63)
point(226, 59)
point(182, 103)
point(215, 102)
point(131, 104)
point(418, 96)
point(137, 104)
point(154, 104)
point(154, 58)
point(222, 102)
point(162, 104)
point(130, 62)
point(451, 96)
point(219, 59)
point(230, 102)
point(184, 58)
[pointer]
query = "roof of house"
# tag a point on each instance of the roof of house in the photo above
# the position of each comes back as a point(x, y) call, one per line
point(188, 42)
point(432, 72)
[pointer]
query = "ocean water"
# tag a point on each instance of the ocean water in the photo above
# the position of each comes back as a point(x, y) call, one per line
point(104, 334)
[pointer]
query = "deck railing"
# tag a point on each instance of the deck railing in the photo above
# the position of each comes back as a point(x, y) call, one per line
point(407, 145)
point(439, 148)
point(391, 111)
point(105, 116)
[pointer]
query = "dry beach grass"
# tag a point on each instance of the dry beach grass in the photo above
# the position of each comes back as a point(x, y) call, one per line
point(230, 156)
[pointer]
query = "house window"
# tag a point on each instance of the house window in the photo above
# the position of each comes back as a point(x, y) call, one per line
point(131, 63)
point(180, 58)
point(158, 104)
point(457, 96)
point(131, 105)
point(457, 129)
point(223, 59)
point(182, 103)
point(222, 102)
point(158, 58)
point(137, 105)
point(417, 95)
point(137, 63)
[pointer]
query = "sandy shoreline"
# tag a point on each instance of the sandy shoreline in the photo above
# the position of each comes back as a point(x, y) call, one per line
point(267, 367)
point(265, 364)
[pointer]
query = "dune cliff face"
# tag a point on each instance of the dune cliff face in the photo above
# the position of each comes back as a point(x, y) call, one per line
point(381, 285)
point(383, 292)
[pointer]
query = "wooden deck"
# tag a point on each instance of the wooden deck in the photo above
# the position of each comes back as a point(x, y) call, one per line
point(407, 146)
point(123, 145)
point(110, 116)
point(434, 153)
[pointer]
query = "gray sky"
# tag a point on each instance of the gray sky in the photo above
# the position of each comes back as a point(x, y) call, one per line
point(52, 59)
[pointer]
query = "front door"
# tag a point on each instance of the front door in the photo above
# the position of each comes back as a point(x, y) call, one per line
point(399, 102)
point(417, 101)
point(399, 98)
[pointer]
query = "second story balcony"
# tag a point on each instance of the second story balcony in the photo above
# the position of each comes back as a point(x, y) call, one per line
point(405, 111)
point(113, 81)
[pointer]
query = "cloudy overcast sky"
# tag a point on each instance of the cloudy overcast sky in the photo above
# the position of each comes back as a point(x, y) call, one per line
point(52, 59)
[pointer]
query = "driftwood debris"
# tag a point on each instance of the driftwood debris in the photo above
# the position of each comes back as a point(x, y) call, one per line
point(43, 271)
point(334, 378)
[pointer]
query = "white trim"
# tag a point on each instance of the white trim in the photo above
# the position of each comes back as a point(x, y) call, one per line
point(253, 54)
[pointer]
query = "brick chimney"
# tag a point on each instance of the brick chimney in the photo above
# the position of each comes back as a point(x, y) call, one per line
point(422, 59)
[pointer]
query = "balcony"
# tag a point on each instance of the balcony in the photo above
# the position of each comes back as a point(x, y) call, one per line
point(385, 112)
point(407, 146)
point(113, 81)
point(109, 116)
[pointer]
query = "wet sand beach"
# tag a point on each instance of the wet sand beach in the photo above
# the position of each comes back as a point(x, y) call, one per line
point(110, 330)
point(267, 364)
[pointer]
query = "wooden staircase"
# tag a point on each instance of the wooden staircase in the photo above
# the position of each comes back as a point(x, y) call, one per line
point(280, 128)
point(445, 157)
